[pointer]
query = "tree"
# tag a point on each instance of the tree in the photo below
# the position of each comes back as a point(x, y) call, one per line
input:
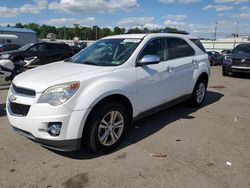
point(19, 25)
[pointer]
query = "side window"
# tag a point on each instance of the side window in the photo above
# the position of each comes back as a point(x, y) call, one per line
point(199, 44)
point(156, 47)
point(179, 48)
point(37, 48)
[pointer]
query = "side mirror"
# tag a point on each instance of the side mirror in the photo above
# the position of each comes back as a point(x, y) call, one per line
point(149, 59)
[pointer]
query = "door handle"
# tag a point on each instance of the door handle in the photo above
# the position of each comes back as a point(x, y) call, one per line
point(194, 61)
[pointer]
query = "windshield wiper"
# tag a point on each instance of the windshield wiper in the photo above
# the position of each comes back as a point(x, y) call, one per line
point(91, 63)
point(68, 60)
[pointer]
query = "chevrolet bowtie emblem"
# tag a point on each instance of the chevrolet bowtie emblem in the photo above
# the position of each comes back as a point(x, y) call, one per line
point(242, 60)
point(12, 98)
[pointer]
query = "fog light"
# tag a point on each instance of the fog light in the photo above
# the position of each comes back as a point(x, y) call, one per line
point(54, 129)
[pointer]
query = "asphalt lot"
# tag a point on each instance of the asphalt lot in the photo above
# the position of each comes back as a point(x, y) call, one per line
point(178, 147)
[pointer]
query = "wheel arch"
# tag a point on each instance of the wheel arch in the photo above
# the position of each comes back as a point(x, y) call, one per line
point(112, 97)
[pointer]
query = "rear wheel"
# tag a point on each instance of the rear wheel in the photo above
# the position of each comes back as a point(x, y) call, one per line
point(106, 127)
point(199, 92)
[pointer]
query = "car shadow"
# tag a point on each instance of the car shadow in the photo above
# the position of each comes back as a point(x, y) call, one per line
point(243, 76)
point(2, 110)
point(148, 126)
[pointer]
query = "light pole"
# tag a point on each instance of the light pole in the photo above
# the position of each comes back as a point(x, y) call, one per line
point(236, 33)
point(215, 34)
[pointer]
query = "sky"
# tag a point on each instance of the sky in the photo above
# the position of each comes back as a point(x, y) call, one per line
point(195, 16)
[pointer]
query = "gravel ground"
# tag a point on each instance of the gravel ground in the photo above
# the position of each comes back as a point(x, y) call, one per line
point(178, 147)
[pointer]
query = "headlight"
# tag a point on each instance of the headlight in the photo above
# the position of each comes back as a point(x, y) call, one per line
point(5, 56)
point(228, 60)
point(59, 94)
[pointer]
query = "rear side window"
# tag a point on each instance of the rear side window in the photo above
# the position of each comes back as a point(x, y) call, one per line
point(156, 47)
point(198, 43)
point(179, 48)
point(62, 46)
point(59, 46)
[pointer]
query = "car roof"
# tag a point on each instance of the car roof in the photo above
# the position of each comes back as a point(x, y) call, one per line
point(141, 36)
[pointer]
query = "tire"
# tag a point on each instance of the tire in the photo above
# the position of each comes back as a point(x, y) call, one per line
point(224, 72)
point(99, 136)
point(199, 92)
point(212, 63)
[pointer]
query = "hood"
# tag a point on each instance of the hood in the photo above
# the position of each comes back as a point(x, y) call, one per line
point(39, 79)
point(239, 56)
point(11, 52)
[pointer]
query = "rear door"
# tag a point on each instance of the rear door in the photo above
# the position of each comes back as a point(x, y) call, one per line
point(182, 60)
point(53, 52)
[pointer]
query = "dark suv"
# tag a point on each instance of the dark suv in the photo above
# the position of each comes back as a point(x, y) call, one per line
point(238, 61)
point(8, 47)
point(46, 52)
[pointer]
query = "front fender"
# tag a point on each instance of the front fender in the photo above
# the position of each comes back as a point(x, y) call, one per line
point(96, 90)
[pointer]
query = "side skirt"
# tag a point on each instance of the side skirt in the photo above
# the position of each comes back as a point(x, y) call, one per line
point(162, 107)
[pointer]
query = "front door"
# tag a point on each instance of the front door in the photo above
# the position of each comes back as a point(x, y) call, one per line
point(154, 81)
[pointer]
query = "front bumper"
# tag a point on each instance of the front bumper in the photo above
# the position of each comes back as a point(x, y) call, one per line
point(36, 122)
point(237, 69)
point(60, 145)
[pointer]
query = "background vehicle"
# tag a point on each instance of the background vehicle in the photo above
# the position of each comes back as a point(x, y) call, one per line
point(214, 57)
point(8, 47)
point(226, 51)
point(78, 47)
point(94, 96)
point(10, 69)
point(238, 61)
point(46, 52)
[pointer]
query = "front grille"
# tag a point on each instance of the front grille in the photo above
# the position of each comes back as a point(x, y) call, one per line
point(237, 62)
point(19, 109)
point(23, 91)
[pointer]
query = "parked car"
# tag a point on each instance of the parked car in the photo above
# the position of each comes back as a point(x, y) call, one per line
point(94, 96)
point(238, 61)
point(8, 47)
point(226, 51)
point(46, 52)
point(214, 57)
point(78, 47)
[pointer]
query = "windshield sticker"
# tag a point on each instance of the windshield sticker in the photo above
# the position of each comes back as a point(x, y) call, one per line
point(130, 41)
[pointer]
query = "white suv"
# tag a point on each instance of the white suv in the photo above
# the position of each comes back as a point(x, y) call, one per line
point(94, 96)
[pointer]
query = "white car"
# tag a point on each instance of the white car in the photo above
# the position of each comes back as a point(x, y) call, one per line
point(94, 96)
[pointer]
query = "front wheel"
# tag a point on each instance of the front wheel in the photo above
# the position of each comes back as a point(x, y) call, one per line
point(224, 72)
point(106, 127)
point(199, 92)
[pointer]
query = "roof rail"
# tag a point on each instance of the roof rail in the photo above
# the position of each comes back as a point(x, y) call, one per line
point(175, 31)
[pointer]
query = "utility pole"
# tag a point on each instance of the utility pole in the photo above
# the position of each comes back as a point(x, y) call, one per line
point(237, 29)
point(215, 33)
point(64, 37)
point(96, 32)
point(236, 33)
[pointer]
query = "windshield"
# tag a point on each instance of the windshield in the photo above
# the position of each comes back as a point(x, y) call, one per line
point(107, 52)
point(242, 49)
point(25, 47)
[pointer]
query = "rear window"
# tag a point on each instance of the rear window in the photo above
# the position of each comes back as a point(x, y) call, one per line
point(198, 43)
